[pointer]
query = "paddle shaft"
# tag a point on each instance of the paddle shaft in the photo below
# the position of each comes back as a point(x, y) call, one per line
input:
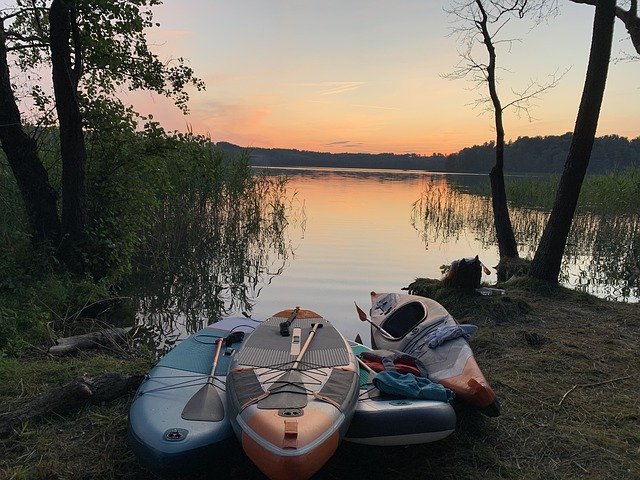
point(366, 367)
point(219, 343)
point(364, 318)
point(371, 373)
point(312, 334)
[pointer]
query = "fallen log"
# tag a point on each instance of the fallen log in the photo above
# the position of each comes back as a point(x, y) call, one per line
point(67, 345)
point(86, 389)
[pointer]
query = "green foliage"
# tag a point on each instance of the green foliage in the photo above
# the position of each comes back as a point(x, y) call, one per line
point(114, 54)
point(16, 322)
point(13, 237)
point(148, 189)
point(532, 192)
point(611, 192)
point(618, 192)
point(113, 35)
point(121, 188)
point(217, 235)
point(135, 175)
point(130, 172)
point(22, 327)
point(36, 298)
point(526, 155)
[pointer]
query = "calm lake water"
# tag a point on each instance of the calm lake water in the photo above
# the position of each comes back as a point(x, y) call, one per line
point(348, 232)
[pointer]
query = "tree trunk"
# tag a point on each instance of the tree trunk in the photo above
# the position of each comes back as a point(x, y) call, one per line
point(631, 22)
point(629, 18)
point(103, 388)
point(72, 145)
point(548, 258)
point(38, 195)
point(107, 337)
point(507, 246)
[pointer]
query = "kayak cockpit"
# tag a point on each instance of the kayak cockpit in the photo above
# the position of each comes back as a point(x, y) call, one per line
point(404, 319)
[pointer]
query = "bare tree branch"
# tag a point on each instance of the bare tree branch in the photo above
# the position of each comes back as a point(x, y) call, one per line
point(27, 46)
point(472, 15)
point(522, 101)
point(483, 22)
point(20, 11)
point(12, 35)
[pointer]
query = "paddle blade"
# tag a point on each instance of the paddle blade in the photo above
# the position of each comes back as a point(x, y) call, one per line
point(287, 392)
point(205, 405)
point(361, 314)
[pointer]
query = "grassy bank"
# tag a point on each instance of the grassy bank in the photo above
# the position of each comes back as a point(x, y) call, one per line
point(564, 365)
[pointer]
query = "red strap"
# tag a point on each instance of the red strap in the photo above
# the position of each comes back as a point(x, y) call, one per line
point(401, 367)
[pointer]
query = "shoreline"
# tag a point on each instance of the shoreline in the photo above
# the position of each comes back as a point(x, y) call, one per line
point(562, 363)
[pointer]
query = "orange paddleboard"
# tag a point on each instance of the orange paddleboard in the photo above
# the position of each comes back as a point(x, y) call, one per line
point(292, 389)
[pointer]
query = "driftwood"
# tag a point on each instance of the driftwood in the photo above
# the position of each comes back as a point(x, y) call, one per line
point(95, 390)
point(101, 338)
point(596, 384)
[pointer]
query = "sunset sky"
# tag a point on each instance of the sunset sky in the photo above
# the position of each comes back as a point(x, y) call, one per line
point(367, 75)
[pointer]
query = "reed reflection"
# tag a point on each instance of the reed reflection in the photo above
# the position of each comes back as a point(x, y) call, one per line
point(211, 252)
point(602, 252)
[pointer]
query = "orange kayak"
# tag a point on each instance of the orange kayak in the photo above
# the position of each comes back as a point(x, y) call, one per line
point(405, 323)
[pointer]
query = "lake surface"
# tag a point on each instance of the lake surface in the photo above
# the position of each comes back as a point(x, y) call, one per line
point(349, 232)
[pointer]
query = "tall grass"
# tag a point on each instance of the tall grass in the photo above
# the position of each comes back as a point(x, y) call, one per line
point(618, 192)
point(214, 244)
point(147, 189)
point(601, 254)
point(612, 192)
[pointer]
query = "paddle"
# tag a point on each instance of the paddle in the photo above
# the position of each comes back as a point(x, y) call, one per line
point(312, 334)
point(371, 373)
point(364, 318)
point(287, 391)
point(206, 404)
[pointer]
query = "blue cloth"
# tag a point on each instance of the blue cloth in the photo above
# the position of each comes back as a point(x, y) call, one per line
point(409, 386)
point(449, 332)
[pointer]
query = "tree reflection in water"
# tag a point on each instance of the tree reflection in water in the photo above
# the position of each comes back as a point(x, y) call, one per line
point(603, 251)
point(210, 253)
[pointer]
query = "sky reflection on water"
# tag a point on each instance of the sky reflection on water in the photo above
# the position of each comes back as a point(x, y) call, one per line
point(349, 232)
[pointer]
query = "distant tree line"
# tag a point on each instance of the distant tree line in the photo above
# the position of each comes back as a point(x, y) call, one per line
point(525, 155)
